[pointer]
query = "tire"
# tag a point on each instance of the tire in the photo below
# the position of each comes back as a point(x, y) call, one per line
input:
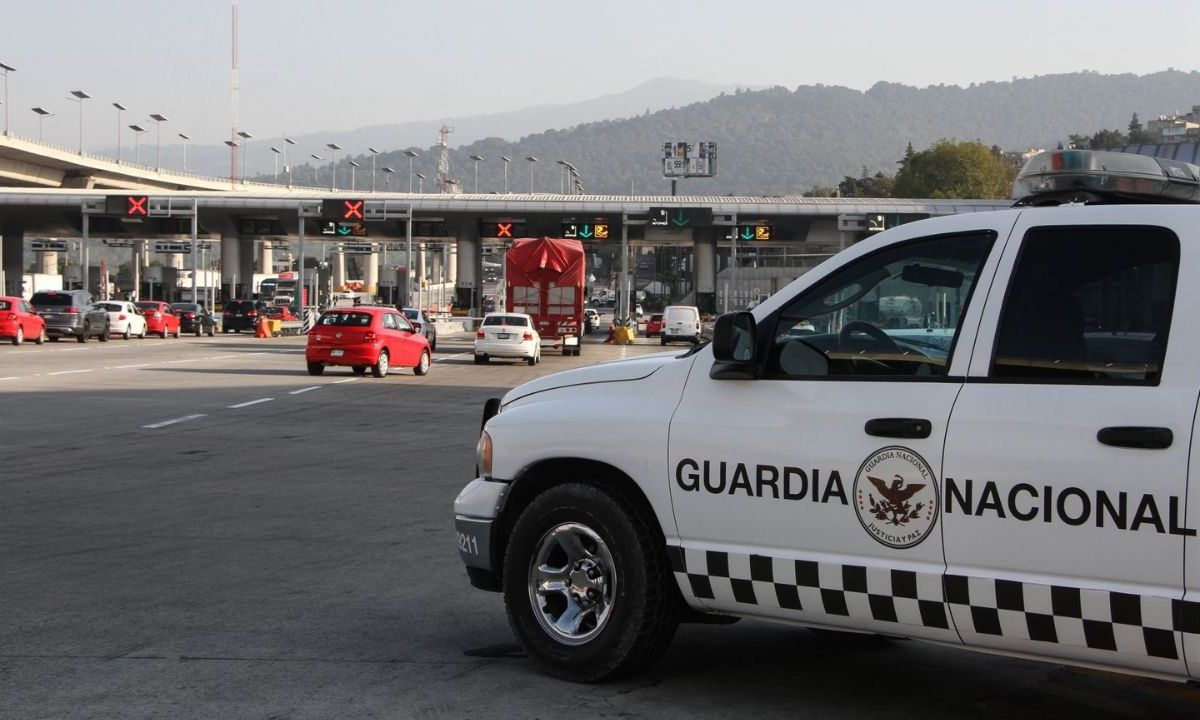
point(380, 368)
point(85, 335)
point(566, 351)
point(359, 369)
point(103, 337)
point(422, 367)
point(212, 330)
point(199, 331)
point(481, 359)
point(143, 335)
point(635, 612)
point(225, 331)
point(315, 368)
point(54, 339)
point(128, 332)
point(41, 338)
point(19, 337)
point(164, 332)
point(531, 360)
point(176, 333)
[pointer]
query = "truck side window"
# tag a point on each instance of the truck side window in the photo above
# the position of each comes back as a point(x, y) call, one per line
point(892, 313)
point(1089, 305)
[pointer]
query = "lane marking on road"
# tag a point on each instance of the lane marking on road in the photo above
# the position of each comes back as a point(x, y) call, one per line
point(339, 382)
point(455, 357)
point(123, 367)
point(252, 402)
point(69, 372)
point(14, 377)
point(165, 423)
point(301, 391)
point(176, 362)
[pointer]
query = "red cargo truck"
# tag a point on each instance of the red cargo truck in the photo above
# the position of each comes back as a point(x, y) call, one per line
point(546, 279)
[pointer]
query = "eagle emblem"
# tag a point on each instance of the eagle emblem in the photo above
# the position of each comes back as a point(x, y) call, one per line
point(893, 506)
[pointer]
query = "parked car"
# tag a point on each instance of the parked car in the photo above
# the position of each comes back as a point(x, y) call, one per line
point(124, 318)
point(591, 320)
point(424, 325)
point(195, 319)
point(239, 315)
point(507, 335)
point(161, 319)
point(70, 313)
point(281, 312)
point(680, 323)
point(654, 325)
point(366, 337)
point(18, 320)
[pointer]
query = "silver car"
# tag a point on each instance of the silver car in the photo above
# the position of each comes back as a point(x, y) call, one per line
point(424, 325)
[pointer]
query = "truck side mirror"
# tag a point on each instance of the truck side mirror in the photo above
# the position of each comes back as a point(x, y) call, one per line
point(735, 347)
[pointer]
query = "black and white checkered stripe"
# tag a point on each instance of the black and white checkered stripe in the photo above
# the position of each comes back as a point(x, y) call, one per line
point(1097, 619)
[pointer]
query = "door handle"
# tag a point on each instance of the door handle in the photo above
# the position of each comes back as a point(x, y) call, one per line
point(899, 428)
point(1146, 438)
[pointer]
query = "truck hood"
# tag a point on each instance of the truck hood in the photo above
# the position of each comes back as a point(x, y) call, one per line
point(609, 372)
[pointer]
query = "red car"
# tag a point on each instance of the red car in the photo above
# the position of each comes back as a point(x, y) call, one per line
point(280, 312)
point(18, 320)
point(654, 325)
point(366, 337)
point(160, 318)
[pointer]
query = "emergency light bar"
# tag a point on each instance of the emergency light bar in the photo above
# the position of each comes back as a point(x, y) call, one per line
point(1090, 175)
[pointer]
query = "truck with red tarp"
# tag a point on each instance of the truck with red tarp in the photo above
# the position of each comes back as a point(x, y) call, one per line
point(546, 278)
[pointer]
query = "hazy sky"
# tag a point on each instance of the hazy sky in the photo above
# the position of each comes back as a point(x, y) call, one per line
point(309, 65)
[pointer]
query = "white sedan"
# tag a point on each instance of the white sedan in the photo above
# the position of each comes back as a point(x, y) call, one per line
point(124, 318)
point(507, 335)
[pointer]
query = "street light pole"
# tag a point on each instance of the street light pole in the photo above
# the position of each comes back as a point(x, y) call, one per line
point(353, 166)
point(420, 183)
point(4, 71)
point(317, 159)
point(137, 133)
point(120, 108)
point(287, 159)
point(245, 136)
point(79, 96)
point(275, 160)
point(476, 159)
point(158, 119)
point(506, 160)
point(233, 146)
point(373, 152)
point(531, 160)
point(185, 138)
point(333, 147)
point(387, 177)
point(411, 154)
point(42, 114)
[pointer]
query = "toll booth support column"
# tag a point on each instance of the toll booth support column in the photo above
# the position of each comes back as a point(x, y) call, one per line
point(231, 268)
point(339, 270)
point(266, 258)
point(704, 265)
point(48, 263)
point(451, 264)
point(246, 265)
point(467, 264)
point(12, 260)
point(372, 279)
point(138, 263)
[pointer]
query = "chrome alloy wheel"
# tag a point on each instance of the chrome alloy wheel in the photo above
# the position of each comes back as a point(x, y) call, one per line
point(572, 583)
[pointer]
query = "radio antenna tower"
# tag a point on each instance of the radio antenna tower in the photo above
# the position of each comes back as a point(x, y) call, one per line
point(445, 182)
point(233, 87)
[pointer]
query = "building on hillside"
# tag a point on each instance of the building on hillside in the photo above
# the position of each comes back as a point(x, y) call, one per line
point(1180, 127)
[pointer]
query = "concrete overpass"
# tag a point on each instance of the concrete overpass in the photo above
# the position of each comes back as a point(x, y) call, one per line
point(248, 221)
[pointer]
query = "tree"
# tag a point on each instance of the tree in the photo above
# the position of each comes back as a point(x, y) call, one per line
point(952, 169)
point(875, 186)
point(1108, 139)
point(1138, 136)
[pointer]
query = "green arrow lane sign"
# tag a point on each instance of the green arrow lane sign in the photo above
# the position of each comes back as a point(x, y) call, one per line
point(344, 229)
point(680, 220)
point(585, 231)
point(748, 233)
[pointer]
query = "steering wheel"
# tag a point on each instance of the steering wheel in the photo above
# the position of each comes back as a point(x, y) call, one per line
point(866, 328)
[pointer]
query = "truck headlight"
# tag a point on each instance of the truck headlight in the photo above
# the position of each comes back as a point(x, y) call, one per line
point(483, 454)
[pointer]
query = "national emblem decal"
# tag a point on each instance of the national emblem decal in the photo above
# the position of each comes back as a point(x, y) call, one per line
point(896, 497)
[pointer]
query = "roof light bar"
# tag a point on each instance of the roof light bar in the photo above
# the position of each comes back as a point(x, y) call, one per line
point(1096, 172)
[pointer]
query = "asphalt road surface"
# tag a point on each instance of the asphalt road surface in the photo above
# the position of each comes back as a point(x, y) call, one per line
point(196, 528)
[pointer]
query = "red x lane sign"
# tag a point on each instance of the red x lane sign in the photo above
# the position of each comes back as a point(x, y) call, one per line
point(353, 210)
point(137, 206)
point(504, 230)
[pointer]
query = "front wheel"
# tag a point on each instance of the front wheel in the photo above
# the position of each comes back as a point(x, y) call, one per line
point(422, 367)
point(85, 335)
point(315, 368)
point(164, 333)
point(41, 338)
point(380, 368)
point(19, 337)
point(128, 332)
point(103, 337)
point(587, 584)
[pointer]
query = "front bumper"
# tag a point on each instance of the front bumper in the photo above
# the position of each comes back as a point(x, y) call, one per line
point(476, 515)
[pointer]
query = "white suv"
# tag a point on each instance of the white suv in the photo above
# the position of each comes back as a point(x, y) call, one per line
point(1002, 467)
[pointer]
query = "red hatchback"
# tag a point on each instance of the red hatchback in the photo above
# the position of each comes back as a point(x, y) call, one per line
point(366, 337)
point(654, 326)
point(160, 318)
point(18, 320)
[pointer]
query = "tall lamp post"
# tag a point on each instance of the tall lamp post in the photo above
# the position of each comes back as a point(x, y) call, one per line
point(420, 183)
point(186, 139)
point(233, 145)
point(562, 172)
point(411, 155)
point(387, 177)
point(506, 160)
point(245, 136)
point(80, 96)
point(42, 114)
point(333, 148)
point(353, 166)
point(287, 159)
point(531, 160)
point(373, 152)
point(137, 151)
point(158, 119)
point(316, 159)
point(120, 109)
point(276, 152)
point(4, 71)
point(475, 159)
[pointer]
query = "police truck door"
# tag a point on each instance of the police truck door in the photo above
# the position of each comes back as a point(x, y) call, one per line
point(1066, 459)
point(812, 493)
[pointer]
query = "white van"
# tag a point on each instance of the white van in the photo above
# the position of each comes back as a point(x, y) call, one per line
point(680, 322)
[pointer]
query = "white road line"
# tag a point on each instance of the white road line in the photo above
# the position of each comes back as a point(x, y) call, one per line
point(176, 362)
point(222, 357)
point(165, 423)
point(14, 377)
point(454, 357)
point(252, 402)
point(68, 372)
point(339, 382)
point(123, 367)
point(294, 392)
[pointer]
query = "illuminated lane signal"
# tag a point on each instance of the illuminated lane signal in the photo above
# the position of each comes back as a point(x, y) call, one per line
point(760, 231)
point(353, 210)
point(504, 230)
point(585, 230)
point(137, 206)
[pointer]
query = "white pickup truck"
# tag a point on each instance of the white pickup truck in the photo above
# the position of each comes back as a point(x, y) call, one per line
point(1010, 476)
